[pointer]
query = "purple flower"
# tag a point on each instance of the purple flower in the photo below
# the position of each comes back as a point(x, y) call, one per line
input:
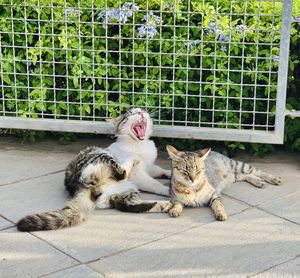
point(193, 44)
point(213, 25)
point(241, 27)
point(224, 38)
point(120, 16)
point(147, 30)
point(130, 6)
point(30, 66)
point(275, 58)
point(168, 5)
point(151, 18)
point(224, 48)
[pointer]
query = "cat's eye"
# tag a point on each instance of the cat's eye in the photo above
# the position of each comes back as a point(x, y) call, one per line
point(198, 171)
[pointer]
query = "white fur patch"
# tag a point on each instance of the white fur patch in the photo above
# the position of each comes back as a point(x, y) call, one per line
point(117, 188)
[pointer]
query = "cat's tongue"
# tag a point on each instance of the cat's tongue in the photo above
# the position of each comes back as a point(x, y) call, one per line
point(139, 130)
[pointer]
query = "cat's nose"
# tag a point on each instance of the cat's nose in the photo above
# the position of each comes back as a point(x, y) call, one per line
point(192, 177)
point(141, 114)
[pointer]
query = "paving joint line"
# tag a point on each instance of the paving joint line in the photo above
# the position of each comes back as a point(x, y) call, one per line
point(95, 270)
point(192, 227)
point(264, 210)
point(58, 270)
point(276, 215)
point(241, 201)
point(5, 218)
point(43, 240)
point(271, 267)
point(34, 177)
point(53, 246)
point(7, 228)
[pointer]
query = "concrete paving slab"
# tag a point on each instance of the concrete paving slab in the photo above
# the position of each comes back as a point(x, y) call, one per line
point(108, 231)
point(247, 243)
point(290, 173)
point(287, 207)
point(19, 165)
point(4, 224)
point(41, 194)
point(80, 271)
point(290, 269)
point(23, 255)
point(158, 246)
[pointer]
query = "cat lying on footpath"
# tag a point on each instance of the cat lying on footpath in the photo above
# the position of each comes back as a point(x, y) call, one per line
point(118, 171)
point(198, 178)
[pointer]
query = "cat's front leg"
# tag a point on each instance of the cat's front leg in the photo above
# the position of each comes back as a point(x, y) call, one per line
point(159, 173)
point(176, 210)
point(128, 165)
point(218, 209)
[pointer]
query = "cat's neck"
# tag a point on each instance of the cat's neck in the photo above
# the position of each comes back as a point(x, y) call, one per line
point(126, 139)
point(190, 184)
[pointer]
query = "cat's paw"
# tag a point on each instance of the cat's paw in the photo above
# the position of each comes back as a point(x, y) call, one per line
point(165, 206)
point(129, 166)
point(102, 203)
point(275, 180)
point(221, 216)
point(175, 212)
point(166, 174)
point(259, 183)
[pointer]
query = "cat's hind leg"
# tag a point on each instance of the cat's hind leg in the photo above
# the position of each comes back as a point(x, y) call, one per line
point(252, 179)
point(241, 168)
point(218, 209)
point(132, 202)
point(103, 201)
point(148, 184)
point(159, 173)
point(275, 180)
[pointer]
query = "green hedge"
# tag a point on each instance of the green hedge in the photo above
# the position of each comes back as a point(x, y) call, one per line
point(79, 72)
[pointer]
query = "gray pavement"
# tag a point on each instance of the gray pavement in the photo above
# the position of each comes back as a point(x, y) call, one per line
point(260, 239)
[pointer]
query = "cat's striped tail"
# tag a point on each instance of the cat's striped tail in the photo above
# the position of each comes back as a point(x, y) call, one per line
point(75, 212)
point(131, 202)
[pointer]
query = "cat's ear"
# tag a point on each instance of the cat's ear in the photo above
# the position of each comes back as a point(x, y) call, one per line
point(173, 153)
point(204, 153)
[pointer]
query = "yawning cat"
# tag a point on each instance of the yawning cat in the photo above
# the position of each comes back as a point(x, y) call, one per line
point(115, 173)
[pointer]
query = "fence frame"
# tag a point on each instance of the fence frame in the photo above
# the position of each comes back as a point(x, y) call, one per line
point(205, 133)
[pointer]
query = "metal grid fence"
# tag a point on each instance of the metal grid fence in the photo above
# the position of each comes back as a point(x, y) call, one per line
point(210, 69)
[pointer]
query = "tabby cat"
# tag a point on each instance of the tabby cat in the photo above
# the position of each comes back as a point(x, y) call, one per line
point(199, 177)
point(110, 177)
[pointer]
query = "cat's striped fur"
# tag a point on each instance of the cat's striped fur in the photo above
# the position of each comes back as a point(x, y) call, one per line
point(199, 177)
point(110, 177)
point(85, 179)
point(132, 202)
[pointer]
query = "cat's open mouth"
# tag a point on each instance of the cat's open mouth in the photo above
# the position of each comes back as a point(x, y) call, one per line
point(139, 129)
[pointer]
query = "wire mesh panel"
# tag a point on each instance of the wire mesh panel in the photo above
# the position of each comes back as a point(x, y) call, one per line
point(204, 68)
